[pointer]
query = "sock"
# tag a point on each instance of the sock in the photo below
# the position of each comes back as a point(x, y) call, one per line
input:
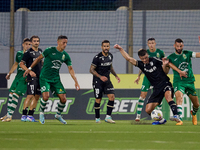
point(194, 111)
point(173, 106)
point(14, 104)
point(110, 107)
point(31, 112)
point(139, 107)
point(25, 111)
point(159, 107)
point(9, 102)
point(42, 105)
point(97, 110)
point(179, 111)
point(60, 108)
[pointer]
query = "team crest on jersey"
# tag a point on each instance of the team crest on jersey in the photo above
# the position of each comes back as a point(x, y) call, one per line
point(184, 56)
point(109, 57)
point(63, 57)
point(151, 63)
point(158, 55)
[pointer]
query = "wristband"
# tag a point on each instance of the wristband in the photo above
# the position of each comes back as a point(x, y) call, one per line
point(29, 68)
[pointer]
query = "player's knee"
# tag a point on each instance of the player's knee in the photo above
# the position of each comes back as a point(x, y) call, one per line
point(45, 97)
point(148, 111)
point(63, 100)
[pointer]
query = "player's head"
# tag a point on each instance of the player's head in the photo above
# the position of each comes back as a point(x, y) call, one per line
point(143, 55)
point(35, 41)
point(105, 46)
point(62, 42)
point(26, 44)
point(151, 43)
point(178, 45)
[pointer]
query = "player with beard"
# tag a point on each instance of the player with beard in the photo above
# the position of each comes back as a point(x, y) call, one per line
point(33, 87)
point(101, 68)
point(153, 69)
point(182, 60)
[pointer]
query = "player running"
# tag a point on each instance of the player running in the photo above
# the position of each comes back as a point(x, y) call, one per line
point(50, 78)
point(152, 52)
point(100, 68)
point(19, 85)
point(182, 60)
point(152, 68)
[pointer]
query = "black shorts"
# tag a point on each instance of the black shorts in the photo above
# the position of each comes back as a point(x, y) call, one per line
point(101, 88)
point(33, 87)
point(159, 93)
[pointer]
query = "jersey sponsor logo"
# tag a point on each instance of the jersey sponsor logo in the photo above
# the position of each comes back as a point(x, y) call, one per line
point(183, 66)
point(121, 106)
point(150, 70)
point(106, 64)
point(56, 64)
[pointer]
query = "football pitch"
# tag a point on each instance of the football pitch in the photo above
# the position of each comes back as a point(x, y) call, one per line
point(88, 135)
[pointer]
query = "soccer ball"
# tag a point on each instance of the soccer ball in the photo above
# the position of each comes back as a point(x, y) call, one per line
point(156, 115)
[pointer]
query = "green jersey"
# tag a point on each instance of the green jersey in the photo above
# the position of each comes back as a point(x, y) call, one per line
point(53, 60)
point(158, 53)
point(183, 62)
point(20, 71)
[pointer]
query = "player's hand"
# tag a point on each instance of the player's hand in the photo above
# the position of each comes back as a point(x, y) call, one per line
point(32, 74)
point(117, 46)
point(165, 61)
point(183, 74)
point(118, 79)
point(77, 86)
point(26, 73)
point(103, 78)
point(8, 76)
point(137, 80)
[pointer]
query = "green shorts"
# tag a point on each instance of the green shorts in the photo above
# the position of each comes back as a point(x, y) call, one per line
point(145, 85)
point(56, 87)
point(185, 88)
point(19, 87)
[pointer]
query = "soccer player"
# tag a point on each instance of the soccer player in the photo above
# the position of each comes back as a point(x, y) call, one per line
point(152, 52)
point(182, 60)
point(18, 87)
point(50, 79)
point(33, 87)
point(100, 69)
point(152, 68)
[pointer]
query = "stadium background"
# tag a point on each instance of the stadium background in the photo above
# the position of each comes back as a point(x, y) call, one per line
point(88, 22)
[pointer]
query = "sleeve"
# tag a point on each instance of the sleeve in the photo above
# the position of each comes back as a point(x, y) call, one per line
point(95, 61)
point(26, 57)
point(68, 61)
point(191, 54)
point(158, 61)
point(163, 54)
point(140, 65)
point(17, 58)
point(46, 52)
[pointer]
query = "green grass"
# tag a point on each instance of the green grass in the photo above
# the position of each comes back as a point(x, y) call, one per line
point(87, 135)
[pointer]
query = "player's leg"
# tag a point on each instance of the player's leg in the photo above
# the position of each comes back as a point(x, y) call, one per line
point(98, 93)
point(25, 107)
point(109, 90)
point(195, 107)
point(144, 89)
point(8, 105)
point(110, 105)
point(97, 109)
point(61, 106)
point(45, 87)
point(179, 101)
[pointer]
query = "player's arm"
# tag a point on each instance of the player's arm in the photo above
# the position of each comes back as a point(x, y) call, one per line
point(72, 73)
point(181, 73)
point(125, 55)
point(198, 55)
point(138, 78)
point(94, 73)
point(14, 66)
point(114, 73)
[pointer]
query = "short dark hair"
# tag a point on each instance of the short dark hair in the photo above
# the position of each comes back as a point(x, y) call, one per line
point(178, 40)
point(26, 40)
point(62, 37)
point(105, 41)
point(142, 52)
point(34, 36)
point(151, 39)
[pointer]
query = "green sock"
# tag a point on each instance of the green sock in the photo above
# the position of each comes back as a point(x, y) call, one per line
point(139, 107)
point(194, 111)
point(60, 108)
point(14, 104)
point(42, 105)
point(179, 111)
